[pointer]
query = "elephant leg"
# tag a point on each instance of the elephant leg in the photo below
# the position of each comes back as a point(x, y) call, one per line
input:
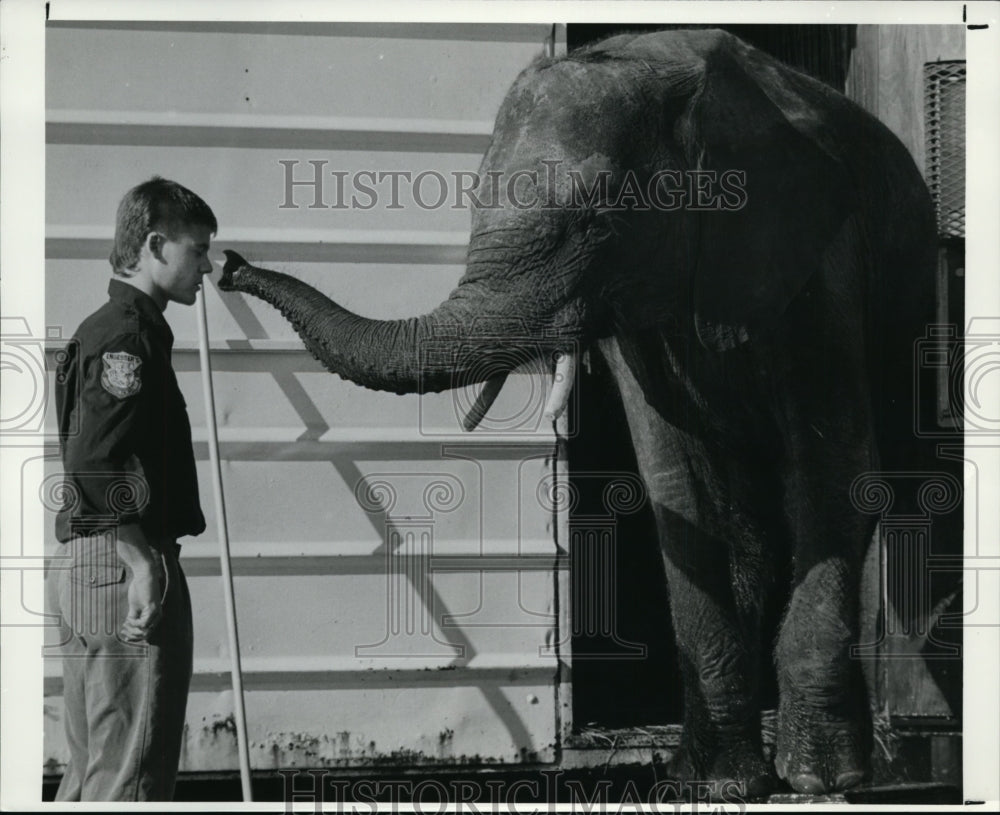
point(824, 723)
point(718, 638)
point(715, 587)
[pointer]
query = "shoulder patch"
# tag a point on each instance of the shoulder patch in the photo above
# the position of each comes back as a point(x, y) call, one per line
point(120, 376)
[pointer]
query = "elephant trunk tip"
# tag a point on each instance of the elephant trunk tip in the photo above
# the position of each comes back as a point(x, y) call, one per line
point(234, 262)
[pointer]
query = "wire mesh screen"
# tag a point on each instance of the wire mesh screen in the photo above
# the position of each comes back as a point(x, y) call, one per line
point(944, 112)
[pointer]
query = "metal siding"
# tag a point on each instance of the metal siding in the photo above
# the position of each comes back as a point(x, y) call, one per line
point(353, 654)
point(289, 74)
point(249, 187)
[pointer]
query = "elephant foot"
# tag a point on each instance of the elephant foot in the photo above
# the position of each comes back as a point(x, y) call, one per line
point(733, 775)
point(820, 753)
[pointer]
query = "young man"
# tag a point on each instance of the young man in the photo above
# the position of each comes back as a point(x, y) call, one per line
point(131, 491)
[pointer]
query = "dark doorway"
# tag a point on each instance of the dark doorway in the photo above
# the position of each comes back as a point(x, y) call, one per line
point(624, 657)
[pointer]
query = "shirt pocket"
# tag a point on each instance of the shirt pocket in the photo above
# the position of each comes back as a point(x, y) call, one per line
point(97, 575)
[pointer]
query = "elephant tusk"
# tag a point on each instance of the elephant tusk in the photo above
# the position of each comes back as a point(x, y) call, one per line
point(484, 401)
point(562, 384)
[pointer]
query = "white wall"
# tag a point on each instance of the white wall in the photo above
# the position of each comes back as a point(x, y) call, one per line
point(216, 108)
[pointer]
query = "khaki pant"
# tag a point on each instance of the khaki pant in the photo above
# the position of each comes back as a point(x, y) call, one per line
point(124, 703)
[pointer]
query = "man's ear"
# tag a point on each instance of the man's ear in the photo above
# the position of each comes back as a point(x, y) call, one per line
point(154, 245)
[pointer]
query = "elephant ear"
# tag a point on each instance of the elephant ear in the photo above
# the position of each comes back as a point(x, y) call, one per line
point(752, 261)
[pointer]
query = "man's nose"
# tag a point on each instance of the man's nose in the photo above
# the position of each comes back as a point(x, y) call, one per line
point(206, 266)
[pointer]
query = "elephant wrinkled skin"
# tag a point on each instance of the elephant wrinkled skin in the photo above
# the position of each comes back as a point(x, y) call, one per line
point(762, 348)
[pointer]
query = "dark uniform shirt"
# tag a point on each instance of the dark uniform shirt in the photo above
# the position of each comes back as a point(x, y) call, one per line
point(123, 426)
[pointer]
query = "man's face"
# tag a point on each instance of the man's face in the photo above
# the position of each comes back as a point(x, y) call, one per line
point(185, 262)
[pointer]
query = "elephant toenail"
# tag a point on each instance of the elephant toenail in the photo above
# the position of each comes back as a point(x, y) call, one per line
point(847, 779)
point(807, 783)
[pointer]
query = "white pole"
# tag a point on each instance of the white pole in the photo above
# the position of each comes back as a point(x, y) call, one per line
point(223, 532)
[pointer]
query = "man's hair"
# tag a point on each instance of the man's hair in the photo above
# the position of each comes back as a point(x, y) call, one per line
point(157, 205)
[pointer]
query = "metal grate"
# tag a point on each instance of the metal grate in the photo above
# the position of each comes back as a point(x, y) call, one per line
point(944, 116)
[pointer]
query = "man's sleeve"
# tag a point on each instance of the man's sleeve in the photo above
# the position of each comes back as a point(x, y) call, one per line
point(105, 482)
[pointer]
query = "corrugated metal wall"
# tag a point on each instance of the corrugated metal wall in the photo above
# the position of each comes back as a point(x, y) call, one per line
point(396, 580)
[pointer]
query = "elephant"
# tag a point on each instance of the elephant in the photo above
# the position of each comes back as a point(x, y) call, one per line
point(753, 255)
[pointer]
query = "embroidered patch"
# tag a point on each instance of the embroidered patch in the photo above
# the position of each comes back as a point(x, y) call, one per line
point(121, 374)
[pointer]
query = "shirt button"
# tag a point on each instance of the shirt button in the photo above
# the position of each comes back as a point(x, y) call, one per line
point(93, 578)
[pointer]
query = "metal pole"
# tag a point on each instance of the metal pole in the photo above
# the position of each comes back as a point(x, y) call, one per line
point(223, 532)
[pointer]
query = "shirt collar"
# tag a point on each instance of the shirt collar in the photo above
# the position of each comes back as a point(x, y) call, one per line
point(127, 294)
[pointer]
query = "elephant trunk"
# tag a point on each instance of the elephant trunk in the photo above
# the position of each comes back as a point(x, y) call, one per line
point(464, 341)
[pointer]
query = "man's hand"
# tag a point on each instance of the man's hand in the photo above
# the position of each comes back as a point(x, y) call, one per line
point(145, 594)
point(144, 607)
